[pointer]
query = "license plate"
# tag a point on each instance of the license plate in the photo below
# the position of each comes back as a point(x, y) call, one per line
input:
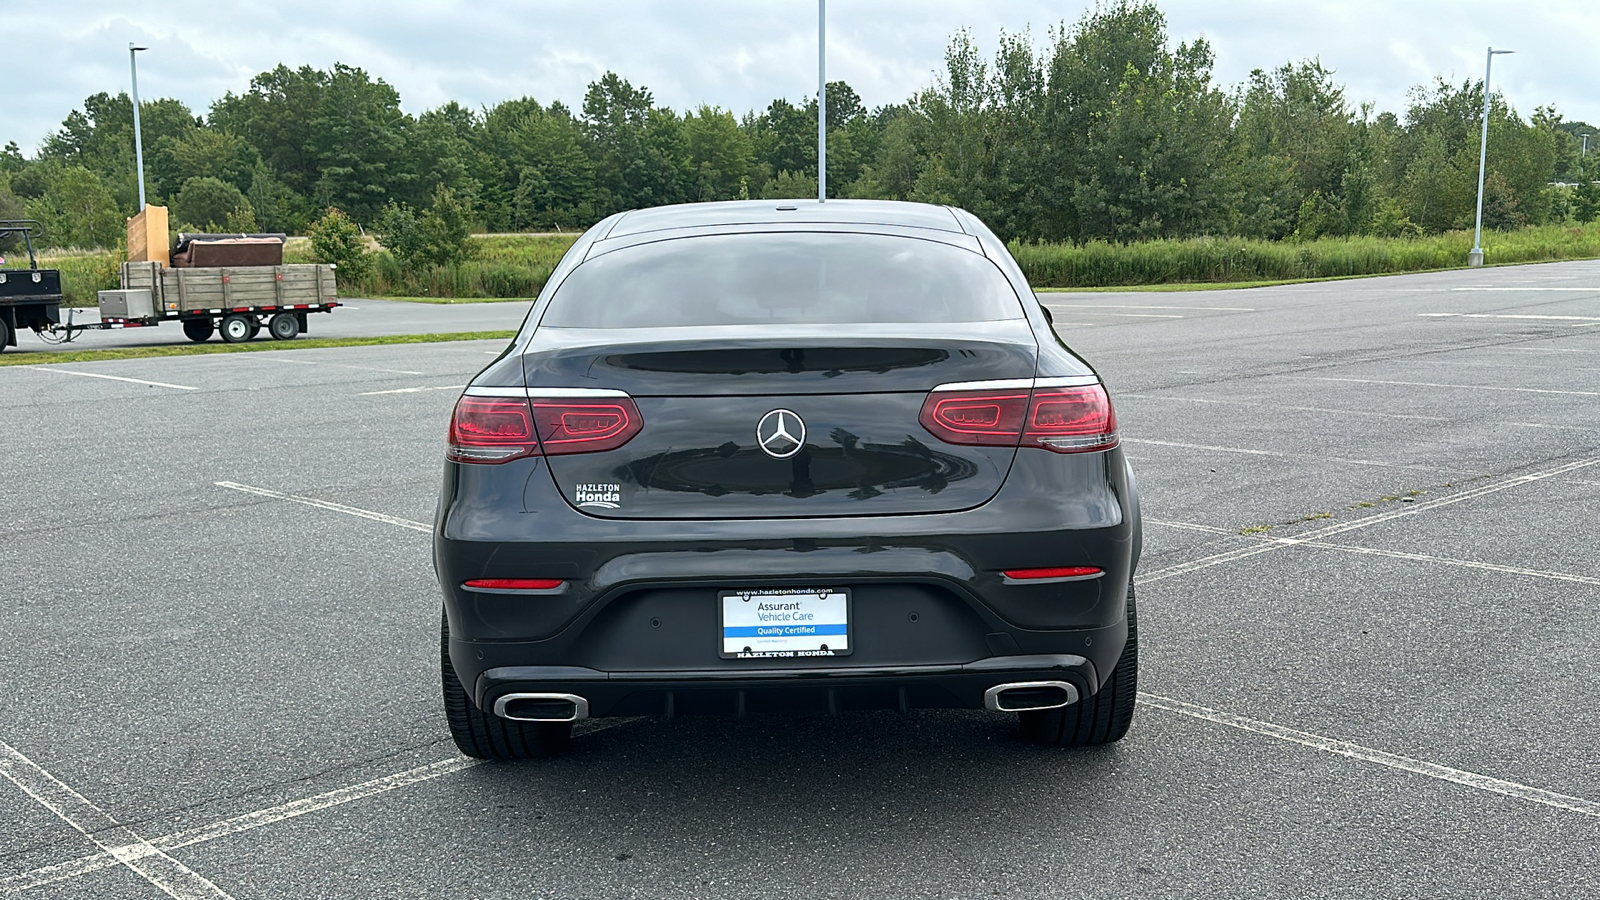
point(778, 622)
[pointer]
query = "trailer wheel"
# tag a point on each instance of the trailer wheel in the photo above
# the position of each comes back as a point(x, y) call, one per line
point(283, 327)
point(198, 329)
point(236, 329)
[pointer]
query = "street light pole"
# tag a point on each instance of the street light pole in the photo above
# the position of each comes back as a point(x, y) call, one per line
point(1475, 256)
point(138, 139)
point(822, 101)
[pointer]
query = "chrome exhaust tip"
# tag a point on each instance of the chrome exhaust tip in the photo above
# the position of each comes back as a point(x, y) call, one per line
point(1026, 696)
point(541, 707)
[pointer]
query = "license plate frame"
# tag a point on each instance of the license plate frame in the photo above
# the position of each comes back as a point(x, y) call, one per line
point(819, 619)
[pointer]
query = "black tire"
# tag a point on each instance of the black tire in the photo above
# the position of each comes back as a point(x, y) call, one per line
point(198, 330)
point(5, 335)
point(238, 328)
point(487, 736)
point(1101, 719)
point(283, 327)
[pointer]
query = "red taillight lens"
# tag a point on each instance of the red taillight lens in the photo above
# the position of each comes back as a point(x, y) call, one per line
point(1055, 573)
point(1071, 419)
point(991, 418)
point(495, 430)
point(491, 430)
point(1060, 419)
point(514, 584)
point(589, 426)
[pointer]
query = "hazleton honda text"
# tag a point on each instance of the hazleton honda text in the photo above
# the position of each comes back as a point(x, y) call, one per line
point(785, 456)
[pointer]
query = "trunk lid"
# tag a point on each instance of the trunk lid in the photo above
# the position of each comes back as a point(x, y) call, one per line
point(846, 404)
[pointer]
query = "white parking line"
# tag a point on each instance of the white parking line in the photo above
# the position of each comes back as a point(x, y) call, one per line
point(1506, 316)
point(1218, 559)
point(120, 843)
point(1380, 757)
point(414, 390)
point(1465, 387)
point(60, 371)
point(1363, 413)
point(1538, 425)
point(1394, 554)
point(310, 362)
point(1069, 305)
point(324, 504)
point(1586, 290)
point(95, 862)
point(1275, 453)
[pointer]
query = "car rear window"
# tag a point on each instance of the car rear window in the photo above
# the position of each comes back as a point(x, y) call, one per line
point(784, 278)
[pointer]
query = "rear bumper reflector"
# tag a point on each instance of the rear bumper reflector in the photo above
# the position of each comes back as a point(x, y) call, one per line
point(515, 585)
point(1051, 574)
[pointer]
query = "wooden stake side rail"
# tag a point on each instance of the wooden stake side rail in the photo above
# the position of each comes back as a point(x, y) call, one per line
point(226, 288)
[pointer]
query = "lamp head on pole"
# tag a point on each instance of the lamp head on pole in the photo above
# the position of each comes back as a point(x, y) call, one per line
point(134, 49)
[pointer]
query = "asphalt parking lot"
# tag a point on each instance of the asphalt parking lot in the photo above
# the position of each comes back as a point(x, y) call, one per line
point(1370, 610)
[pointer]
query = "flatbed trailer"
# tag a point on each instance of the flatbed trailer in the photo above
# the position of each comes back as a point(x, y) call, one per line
point(29, 298)
point(237, 301)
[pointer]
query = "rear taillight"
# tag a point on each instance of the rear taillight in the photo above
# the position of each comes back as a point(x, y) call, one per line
point(491, 430)
point(1071, 419)
point(496, 430)
point(585, 426)
point(976, 417)
point(1062, 419)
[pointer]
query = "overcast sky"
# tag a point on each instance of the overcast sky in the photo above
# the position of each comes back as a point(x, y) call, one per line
point(740, 55)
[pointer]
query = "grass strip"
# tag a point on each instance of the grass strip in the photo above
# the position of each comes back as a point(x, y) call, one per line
point(70, 356)
point(1230, 260)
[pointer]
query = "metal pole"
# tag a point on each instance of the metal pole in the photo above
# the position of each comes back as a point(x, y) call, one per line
point(138, 139)
point(822, 101)
point(1475, 255)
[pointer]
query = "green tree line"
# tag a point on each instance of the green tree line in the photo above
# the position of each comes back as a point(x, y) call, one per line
point(1103, 131)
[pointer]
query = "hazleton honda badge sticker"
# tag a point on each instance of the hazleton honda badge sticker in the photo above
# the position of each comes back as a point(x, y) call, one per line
point(781, 433)
point(604, 496)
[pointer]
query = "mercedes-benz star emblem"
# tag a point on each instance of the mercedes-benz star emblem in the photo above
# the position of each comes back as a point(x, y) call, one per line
point(781, 433)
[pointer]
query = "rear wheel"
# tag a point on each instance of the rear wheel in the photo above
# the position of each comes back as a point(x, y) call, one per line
point(5, 335)
point(198, 329)
point(237, 328)
point(1101, 719)
point(283, 327)
point(487, 736)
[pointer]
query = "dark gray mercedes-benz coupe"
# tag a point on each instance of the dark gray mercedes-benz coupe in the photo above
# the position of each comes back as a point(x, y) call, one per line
point(785, 456)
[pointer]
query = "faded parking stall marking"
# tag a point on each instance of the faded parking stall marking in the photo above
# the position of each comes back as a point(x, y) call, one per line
point(328, 505)
point(60, 371)
point(96, 862)
point(1365, 522)
point(120, 844)
point(1394, 554)
point(1380, 757)
point(1464, 387)
point(414, 390)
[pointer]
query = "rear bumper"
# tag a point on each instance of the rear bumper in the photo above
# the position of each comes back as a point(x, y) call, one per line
point(801, 689)
point(633, 629)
